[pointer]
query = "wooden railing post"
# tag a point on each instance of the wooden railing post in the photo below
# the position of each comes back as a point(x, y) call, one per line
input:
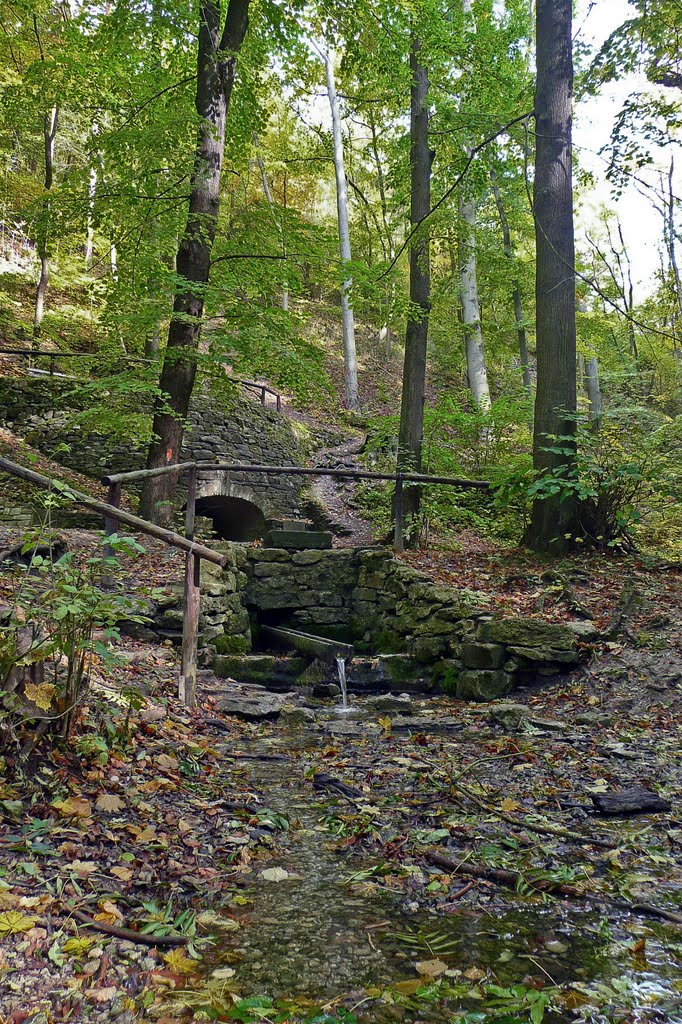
point(191, 603)
point(398, 539)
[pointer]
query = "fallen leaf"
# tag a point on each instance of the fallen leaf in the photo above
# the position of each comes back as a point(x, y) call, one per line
point(430, 968)
point(102, 995)
point(74, 807)
point(109, 802)
point(274, 874)
point(166, 761)
point(83, 868)
point(13, 921)
point(474, 974)
point(125, 874)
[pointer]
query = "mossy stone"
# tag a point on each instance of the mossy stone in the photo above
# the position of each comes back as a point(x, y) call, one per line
point(483, 685)
point(526, 633)
point(225, 644)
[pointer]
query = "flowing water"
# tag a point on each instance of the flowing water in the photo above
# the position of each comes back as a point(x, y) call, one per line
point(322, 933)
point(341, 669)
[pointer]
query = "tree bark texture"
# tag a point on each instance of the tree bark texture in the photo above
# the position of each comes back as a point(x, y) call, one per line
point(471, 309)
point(516, 288)
point(216, 62)
point(411, 433)
point(555, 401)
point(42, 236)
point(350, 361)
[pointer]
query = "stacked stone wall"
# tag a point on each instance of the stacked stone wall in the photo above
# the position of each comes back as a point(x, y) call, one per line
point(234, 429)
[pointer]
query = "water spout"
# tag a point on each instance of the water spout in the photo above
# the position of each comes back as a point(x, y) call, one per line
point(341, 669)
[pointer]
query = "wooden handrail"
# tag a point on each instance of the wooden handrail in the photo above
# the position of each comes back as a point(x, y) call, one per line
point(176, 540)
point(356, 474)
point(144, 474)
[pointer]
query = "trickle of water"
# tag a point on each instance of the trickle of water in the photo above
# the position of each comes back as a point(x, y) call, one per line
point(341, 669)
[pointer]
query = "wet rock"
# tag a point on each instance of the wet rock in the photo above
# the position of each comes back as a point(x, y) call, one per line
point(414, 723)
point(583, 630)
point(482, 685)
point(551, 655)
point(326, 690)
point(488, 656)
point(593, 718)
point(293, 716)
point(510, 716)
point(526, 633)
point(253, 703)
point(390, 702)
point(343, 727)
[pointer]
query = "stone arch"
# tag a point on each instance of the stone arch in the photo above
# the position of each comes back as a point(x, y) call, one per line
point(237, 511)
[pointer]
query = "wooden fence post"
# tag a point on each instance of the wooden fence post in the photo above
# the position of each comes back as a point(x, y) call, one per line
point(191, 603)
point(113, 498)
point(398, 539)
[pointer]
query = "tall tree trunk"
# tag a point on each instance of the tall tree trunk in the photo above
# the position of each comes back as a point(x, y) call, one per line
point(388, 243)
point(471, 310)
point(90, 239)
point(216, 61)
point(555, 399)
point(411, 433)
point(278, 223)
point(350, 361)
point(43, 234)
point(468, 280)
point(516, 288)
point(593, 391)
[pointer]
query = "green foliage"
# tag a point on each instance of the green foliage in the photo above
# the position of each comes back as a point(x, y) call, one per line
point(626, 481)
point(59, 621)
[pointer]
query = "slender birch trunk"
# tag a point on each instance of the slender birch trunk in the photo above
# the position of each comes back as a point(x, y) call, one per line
point(468, 285)
point(593, 391)
point(349, 351)
point(90, 239)
point(43, 234)
point(471, 310)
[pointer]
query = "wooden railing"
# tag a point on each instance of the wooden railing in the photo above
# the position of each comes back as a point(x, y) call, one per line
point(115, 482)
point(194, 554)
point(31, 353)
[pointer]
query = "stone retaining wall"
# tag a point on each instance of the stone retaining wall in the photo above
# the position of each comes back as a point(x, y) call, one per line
point(234, 429)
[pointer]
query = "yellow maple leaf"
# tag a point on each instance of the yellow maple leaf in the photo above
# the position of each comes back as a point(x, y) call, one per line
point(179, 962)
point(41, 694)
point(13, 921)
point(109, 802)
point(510, 805)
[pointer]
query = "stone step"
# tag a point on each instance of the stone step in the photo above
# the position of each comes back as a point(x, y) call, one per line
point(298, 539)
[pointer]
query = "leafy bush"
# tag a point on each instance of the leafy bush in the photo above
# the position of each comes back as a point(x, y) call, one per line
point(59, 619)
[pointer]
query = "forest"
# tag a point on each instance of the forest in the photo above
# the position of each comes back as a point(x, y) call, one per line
point(340, 511)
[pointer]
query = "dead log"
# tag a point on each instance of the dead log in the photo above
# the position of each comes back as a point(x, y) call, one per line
point(636, 800)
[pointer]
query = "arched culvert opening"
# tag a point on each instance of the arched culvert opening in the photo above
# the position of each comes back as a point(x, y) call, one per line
point(233, 518)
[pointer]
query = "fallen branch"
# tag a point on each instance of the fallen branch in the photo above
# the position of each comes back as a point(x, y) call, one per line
point(127, 933)
point(510, 879)
point(502, 876)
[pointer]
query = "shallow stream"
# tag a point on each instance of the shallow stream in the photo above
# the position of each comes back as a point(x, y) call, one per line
point(318, 935)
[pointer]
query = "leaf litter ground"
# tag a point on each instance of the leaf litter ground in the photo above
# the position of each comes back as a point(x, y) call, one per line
point(292, 873)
